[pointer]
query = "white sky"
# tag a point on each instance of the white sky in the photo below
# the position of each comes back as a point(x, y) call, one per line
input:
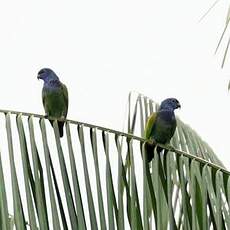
point(102, 50)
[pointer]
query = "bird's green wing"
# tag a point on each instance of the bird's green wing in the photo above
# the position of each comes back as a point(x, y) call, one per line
point(66, 98)
point(44, 100)
point(149, 125)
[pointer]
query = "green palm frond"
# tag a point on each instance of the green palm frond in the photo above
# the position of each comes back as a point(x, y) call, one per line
point(185, 139)
point(221, 40)
point(82, 182)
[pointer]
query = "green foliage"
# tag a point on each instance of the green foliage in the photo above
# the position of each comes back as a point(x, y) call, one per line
point(96, 178)
point(222, 37)
point(223, 34)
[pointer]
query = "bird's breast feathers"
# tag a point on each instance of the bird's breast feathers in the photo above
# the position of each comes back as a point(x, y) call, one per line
point(167, 116)
point(54, 102)
point(164, 127)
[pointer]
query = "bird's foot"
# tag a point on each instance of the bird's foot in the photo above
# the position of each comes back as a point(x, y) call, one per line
point(62, 118)
point(170, 148)
point(151, 142)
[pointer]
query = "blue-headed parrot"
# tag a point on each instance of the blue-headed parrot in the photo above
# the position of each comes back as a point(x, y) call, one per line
point(54, 97)
point(161, 125)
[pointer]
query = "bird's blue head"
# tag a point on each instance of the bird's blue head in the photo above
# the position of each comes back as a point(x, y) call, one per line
point(170, 104)
point(47, 75)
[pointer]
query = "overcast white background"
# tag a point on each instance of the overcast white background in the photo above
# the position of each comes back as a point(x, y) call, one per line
point(102, 50)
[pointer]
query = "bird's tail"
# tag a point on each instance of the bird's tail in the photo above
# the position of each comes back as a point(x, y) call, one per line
point(149, 149)
point(60, 127)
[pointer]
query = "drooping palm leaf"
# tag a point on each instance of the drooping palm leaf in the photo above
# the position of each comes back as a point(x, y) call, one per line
point(82, 181)
point(223, 34)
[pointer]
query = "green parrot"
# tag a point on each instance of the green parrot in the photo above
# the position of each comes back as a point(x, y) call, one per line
point(54, 97)
point(161, 126)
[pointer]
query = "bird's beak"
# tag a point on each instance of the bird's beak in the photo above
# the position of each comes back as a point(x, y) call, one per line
point(178, 105)
point(39, 76)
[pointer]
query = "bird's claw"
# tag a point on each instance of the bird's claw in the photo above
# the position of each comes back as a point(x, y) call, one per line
point(62, 118)
point(151, 142)
point(170, 148)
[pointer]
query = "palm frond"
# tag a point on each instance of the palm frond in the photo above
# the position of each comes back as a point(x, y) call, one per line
point(222, 38)
point(82, 181)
